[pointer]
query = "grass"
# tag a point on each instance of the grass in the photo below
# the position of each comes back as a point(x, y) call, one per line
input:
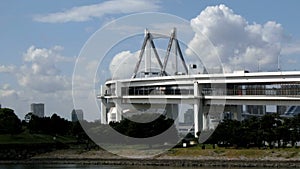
point(191, 152)
point(252, 153)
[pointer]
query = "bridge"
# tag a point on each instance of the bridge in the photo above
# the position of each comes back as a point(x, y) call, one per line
point(210, 94)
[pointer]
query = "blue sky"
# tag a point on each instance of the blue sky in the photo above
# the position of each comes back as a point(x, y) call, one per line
point(40, 40)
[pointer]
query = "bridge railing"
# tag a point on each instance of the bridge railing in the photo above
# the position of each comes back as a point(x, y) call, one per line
point(294, 92)
point(144, 91)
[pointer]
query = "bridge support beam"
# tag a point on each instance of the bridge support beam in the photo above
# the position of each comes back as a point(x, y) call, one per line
point(172, 112)
point(103, 115)
point(238, 112)
point(198, 109)
point(205, 121)
point(103, 107)
point(198, 117)
point(118, 103)
point(119, 110)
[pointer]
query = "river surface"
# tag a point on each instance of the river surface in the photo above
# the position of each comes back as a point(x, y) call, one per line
point(71, 166)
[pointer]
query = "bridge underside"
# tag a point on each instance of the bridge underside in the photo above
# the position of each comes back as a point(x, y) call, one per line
point(207, 100)
point(215, 100)
point(204, 106)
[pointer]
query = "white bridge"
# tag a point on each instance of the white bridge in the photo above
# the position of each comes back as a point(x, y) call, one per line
point(208, 93)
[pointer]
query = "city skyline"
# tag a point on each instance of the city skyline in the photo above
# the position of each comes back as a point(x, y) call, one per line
point(41, 40)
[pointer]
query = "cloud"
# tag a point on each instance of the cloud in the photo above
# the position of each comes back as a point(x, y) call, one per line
point(123, 64)
point(238, 44)
point(292, 48)
point(7, 69)
point(39, 79)
point(292, 61)
point(119, 66)
point(6, 91)
point(10, 98)
point(40, 71)
point(88, 12)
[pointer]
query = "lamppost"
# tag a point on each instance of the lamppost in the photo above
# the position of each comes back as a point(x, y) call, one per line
point(278, 62)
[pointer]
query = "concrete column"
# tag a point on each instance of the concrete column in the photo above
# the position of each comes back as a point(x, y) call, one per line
point(239, 112)
point(119, 110)
point(172, 111)
point(118, 89)
point(198, 109)
point(198, 117)
point(103, 115)
point(103, 112)
point(118, 103)
point(175, 111)
point(168, 110)
point(205, 121)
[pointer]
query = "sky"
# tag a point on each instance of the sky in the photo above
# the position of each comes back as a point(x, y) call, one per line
point(41, 42)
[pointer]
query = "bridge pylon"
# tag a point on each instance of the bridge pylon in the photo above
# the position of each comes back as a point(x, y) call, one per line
point(149, 43)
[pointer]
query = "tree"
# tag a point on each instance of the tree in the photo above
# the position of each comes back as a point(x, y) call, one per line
point(59, 125)
point(269, 125)
point(227, 133)
point(133, 128)
point(9, 122)
point(293, 126)
point(54, 125)
point(252, 132)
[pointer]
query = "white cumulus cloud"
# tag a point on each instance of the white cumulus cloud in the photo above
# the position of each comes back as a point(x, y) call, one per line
point(88, 12)
point(7, 91)
point(7, 69)
point(40, 71)
point(123, 64)
point(41, 78)
point(239, 44)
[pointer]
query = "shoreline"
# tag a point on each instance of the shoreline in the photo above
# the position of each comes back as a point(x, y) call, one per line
point(172, 162)
point(192, 157)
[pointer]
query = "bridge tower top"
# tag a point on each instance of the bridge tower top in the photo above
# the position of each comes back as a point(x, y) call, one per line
point(148, 44)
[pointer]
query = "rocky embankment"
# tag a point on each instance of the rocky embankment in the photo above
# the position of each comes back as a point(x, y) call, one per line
point(26, 151)
point(101, 157)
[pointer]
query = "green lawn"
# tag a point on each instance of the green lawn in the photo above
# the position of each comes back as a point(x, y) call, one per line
point(197, 151)
point(252, 153)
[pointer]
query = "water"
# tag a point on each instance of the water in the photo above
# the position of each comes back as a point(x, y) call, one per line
point(63, 166)
point(75, 166)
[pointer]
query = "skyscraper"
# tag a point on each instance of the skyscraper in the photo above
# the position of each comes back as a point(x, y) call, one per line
point(189, 116)
point(77, 115)
point(38, 109)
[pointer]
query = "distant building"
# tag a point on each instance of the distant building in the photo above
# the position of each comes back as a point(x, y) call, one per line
point(184, 128)
point(188, 123)
point(256, 109)
point(189, 117)
point(281, 109)
point(227, 116)
point(76, 115)
point(38, 109)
